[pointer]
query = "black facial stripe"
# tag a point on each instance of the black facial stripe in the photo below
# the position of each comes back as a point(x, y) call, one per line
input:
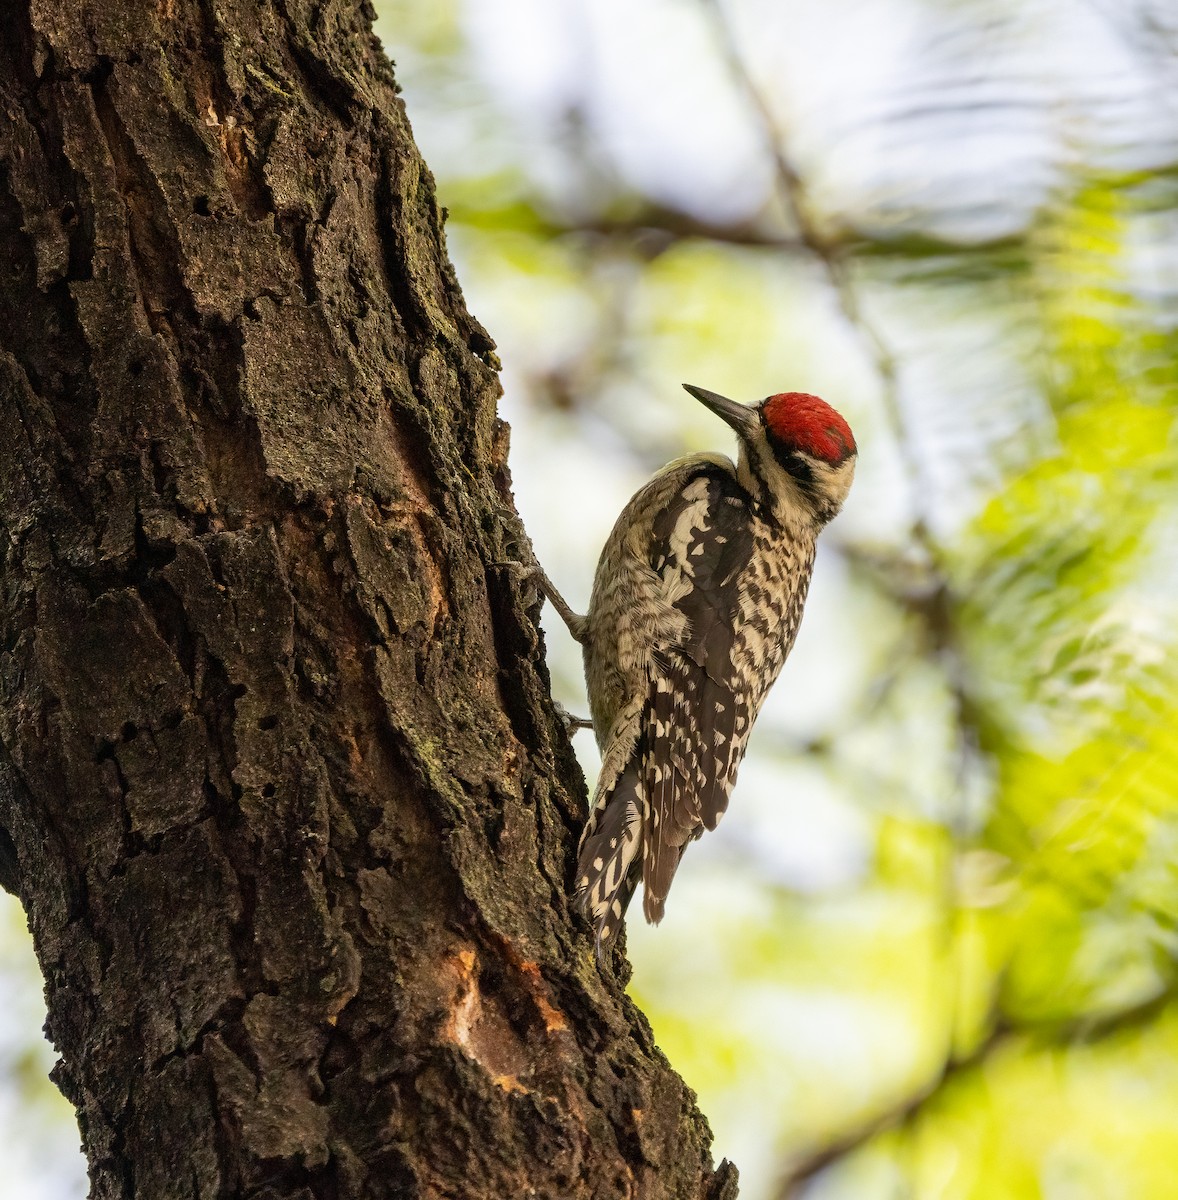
point(792, 461)
point(799, 468)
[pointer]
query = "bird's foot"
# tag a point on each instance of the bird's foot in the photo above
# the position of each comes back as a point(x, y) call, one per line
point(571, 723)
point(530, 572)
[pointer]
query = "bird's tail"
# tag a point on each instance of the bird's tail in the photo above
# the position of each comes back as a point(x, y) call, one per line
point(608, 866)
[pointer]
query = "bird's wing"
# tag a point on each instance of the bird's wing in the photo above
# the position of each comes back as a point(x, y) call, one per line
point(696, 721)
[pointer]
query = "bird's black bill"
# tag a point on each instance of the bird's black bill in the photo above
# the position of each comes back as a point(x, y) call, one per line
point(742, 418)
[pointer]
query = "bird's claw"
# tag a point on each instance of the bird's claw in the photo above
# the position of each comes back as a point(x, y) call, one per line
point(528, 572)
point(532, 574)
point(571, 723)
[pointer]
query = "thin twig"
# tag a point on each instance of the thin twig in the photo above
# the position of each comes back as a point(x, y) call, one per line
point(939, 605)
point(831, 256)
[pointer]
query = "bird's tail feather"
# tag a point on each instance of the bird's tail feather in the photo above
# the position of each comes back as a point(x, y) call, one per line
point(608, 867)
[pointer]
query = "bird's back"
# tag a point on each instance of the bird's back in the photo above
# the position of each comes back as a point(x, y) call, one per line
point(632, 611)
point(695, 605)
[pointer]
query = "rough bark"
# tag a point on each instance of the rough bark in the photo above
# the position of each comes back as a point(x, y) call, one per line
point(281, 787)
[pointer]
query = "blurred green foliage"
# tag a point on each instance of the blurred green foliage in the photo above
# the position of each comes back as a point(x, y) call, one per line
point(931, 951)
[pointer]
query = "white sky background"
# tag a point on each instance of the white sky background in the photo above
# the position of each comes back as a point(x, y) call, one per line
point(955, 119)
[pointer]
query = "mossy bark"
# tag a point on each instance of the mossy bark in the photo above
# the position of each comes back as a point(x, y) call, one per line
point(281, 786)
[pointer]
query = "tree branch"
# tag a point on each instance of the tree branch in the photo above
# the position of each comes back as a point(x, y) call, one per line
point(1083, 1030)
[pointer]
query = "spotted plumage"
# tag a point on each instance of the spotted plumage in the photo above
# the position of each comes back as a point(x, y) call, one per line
point(696, 603)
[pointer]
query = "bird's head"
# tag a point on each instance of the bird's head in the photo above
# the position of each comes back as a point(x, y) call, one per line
point(795, 450)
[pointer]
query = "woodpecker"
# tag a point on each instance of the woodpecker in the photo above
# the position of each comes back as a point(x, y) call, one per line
point(696, 603)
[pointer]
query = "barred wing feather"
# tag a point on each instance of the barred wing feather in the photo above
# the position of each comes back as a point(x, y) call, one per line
point(697, 719)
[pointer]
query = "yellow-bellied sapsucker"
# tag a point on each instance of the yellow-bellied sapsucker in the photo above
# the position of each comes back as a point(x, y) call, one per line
point(696, 603)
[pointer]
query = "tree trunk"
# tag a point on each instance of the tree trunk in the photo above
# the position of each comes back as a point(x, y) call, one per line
point(281, 787)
